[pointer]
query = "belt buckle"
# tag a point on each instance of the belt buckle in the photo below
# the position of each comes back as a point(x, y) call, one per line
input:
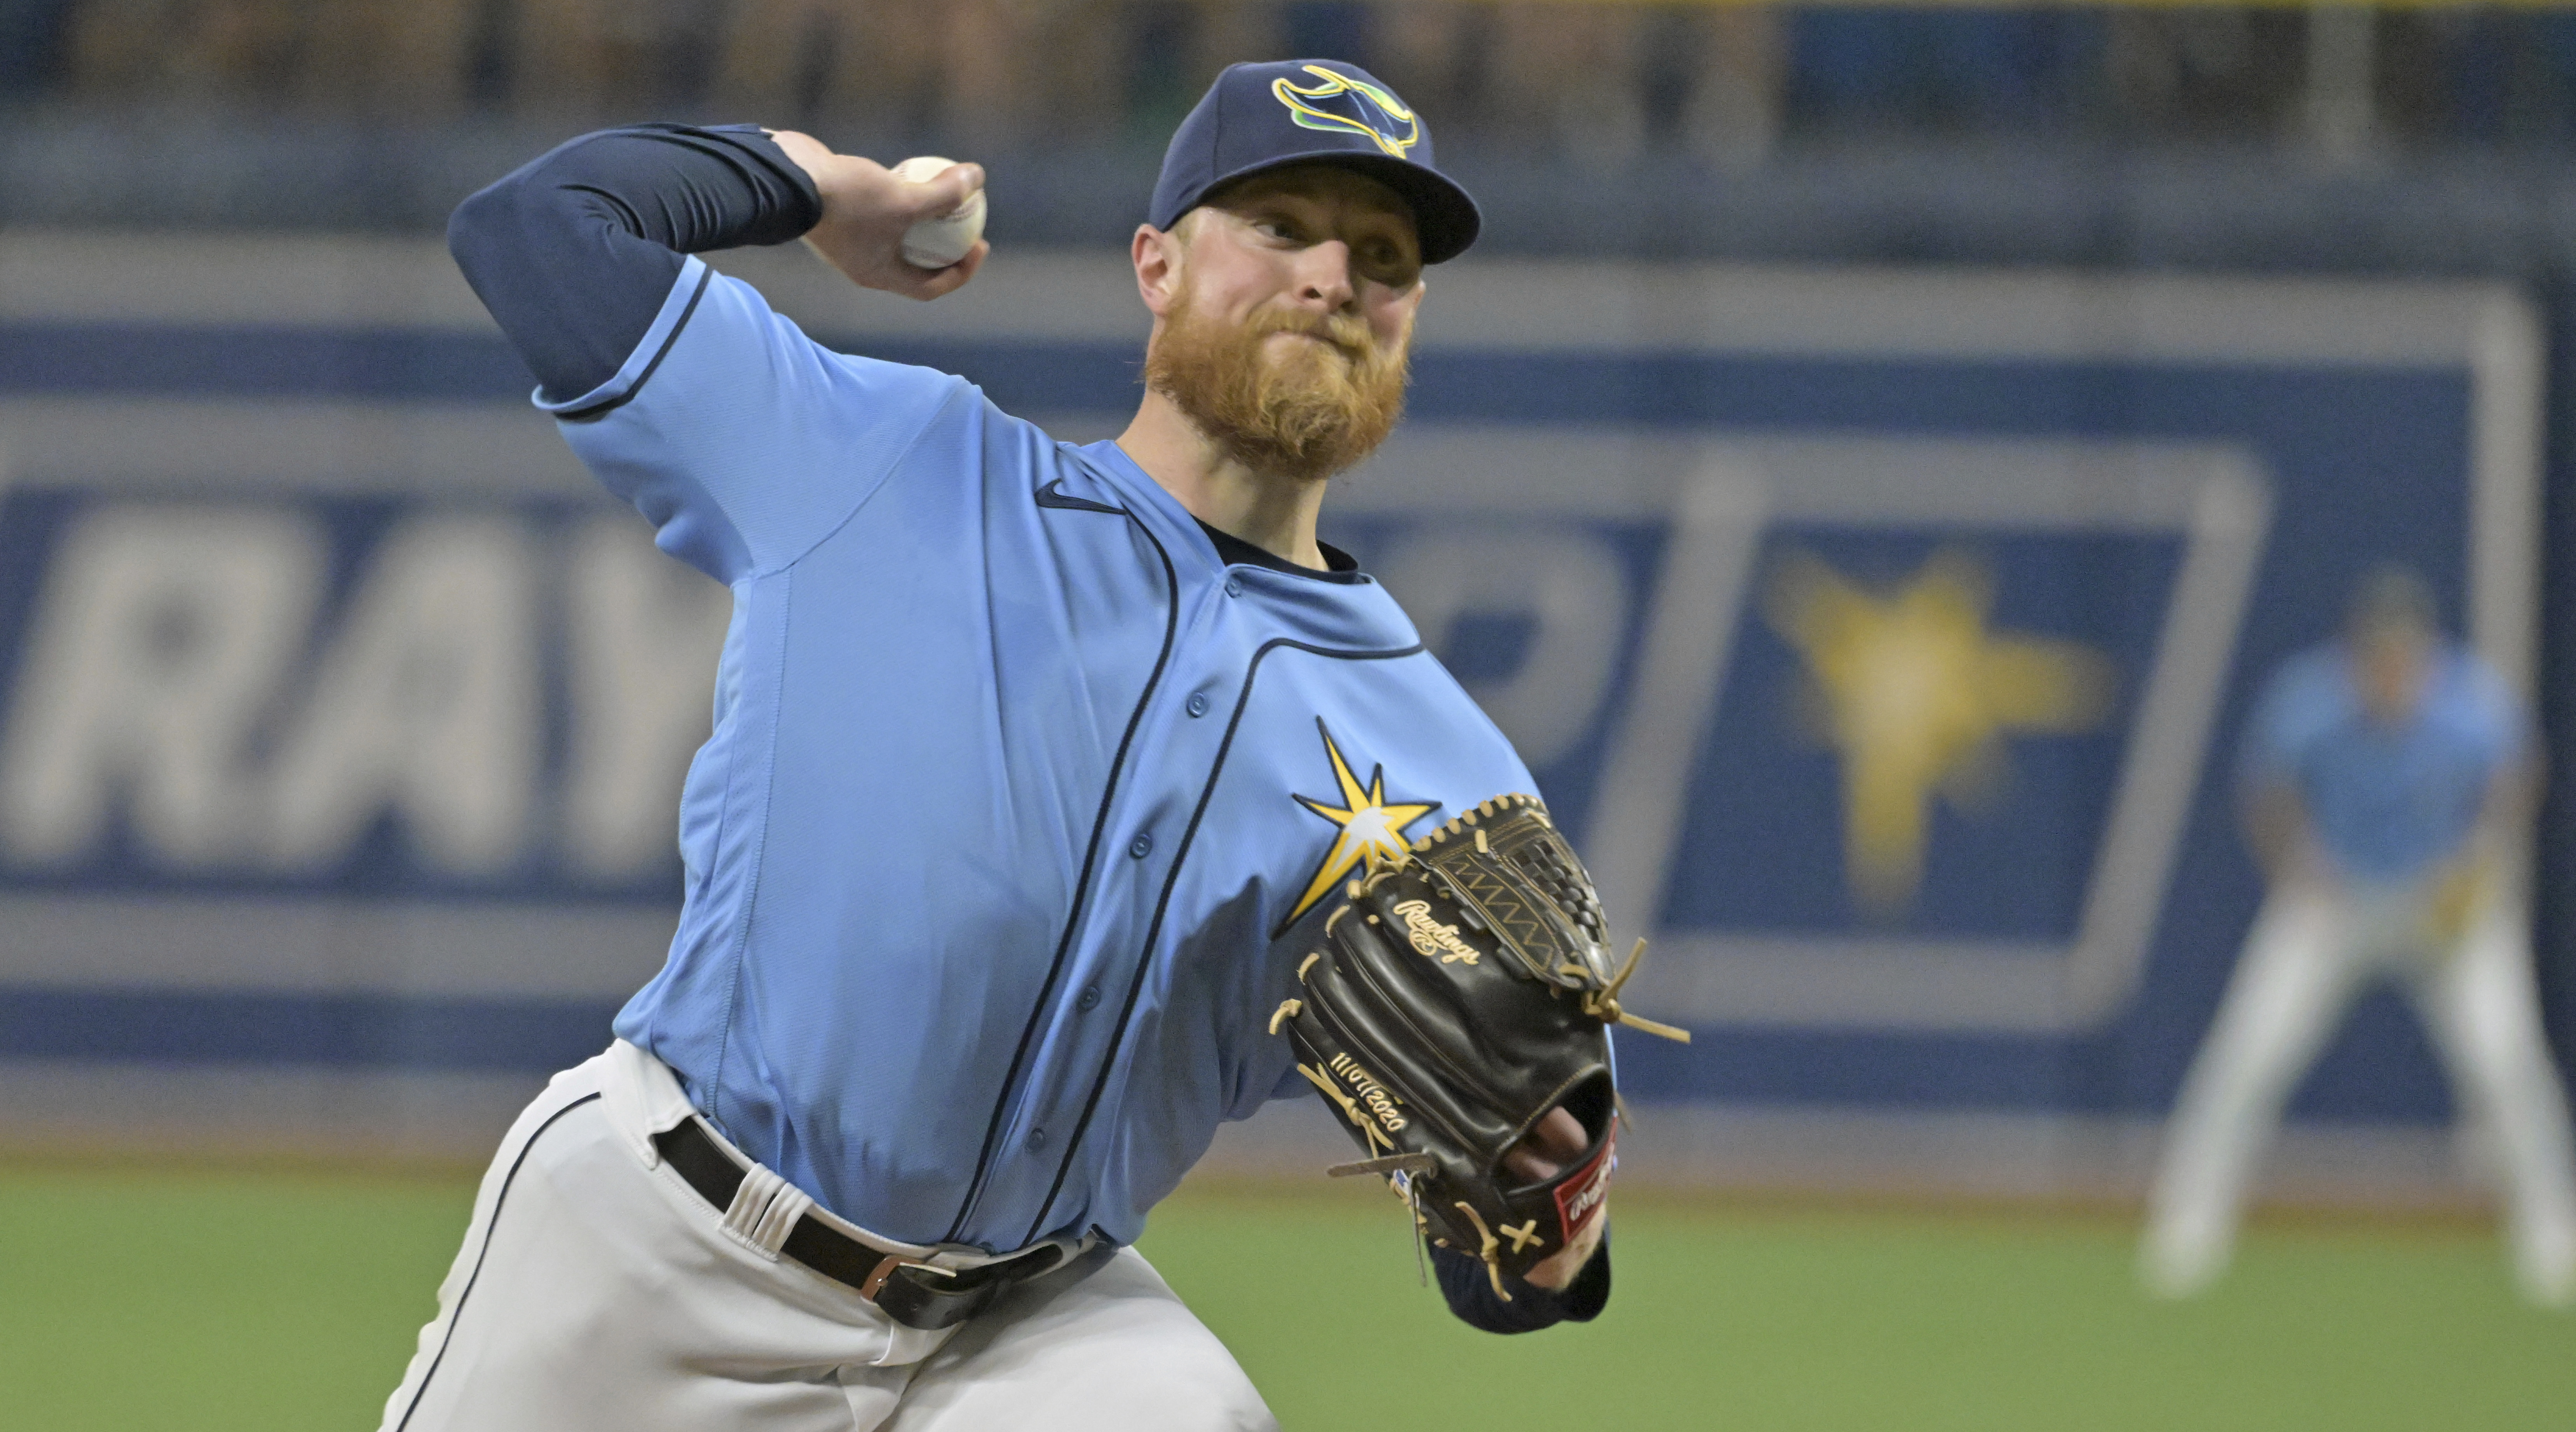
point(923, 1305)
point(888, 1266)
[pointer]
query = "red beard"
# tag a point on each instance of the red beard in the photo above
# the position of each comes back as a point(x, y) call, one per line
point(1309, 412)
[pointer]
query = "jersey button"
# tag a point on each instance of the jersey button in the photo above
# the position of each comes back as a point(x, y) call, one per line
point(1090, 997)
point(1037, 1138)
point(1234, 586)
point(1141, 846)
point(1197, 704)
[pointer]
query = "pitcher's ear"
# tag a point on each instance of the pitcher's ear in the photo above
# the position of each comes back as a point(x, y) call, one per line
point(1157, 255)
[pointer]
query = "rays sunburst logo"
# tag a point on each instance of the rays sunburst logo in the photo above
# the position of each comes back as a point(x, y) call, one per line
point(1364, 823)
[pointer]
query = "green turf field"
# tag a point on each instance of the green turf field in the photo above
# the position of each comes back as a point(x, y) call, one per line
point(285, 1302)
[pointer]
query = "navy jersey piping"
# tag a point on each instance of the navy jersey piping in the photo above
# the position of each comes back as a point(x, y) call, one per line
point(489, 1227)
point(1171, 880)
point(1053, 495)
point(605, 406)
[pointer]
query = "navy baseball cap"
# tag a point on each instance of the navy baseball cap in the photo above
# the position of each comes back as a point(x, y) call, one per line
point(1269, 116)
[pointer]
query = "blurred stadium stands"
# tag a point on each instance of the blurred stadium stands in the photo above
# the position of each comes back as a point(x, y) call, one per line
point(1769, 128)
point(1602, 82)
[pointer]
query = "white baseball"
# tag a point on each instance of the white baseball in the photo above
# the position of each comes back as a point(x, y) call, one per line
point(937, 243)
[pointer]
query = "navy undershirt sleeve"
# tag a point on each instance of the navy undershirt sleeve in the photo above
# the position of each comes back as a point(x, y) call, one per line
point(1471, 1294)
point(576, 251)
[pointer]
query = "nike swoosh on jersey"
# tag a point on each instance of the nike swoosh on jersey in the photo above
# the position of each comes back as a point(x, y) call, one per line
point(1054, 495)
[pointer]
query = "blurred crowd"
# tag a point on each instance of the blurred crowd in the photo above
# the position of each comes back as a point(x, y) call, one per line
point(1727, 82)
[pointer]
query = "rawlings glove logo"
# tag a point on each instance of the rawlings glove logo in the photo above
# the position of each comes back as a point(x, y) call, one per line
point(1441, 942)
point(1579, 1198)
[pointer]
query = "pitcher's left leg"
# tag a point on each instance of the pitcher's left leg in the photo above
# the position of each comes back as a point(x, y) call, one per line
point(1108, 1348)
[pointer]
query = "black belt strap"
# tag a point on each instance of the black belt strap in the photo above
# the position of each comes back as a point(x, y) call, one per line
point(911, 1292)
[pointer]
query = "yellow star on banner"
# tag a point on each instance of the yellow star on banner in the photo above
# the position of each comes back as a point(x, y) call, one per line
point(1916, 695)
point(1367, 824)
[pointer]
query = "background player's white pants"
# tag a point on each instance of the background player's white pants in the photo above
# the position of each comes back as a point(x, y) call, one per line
point(594, 1291)
point(2310, 953)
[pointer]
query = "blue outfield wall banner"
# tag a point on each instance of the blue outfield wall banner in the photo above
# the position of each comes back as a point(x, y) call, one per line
point(1884, 637)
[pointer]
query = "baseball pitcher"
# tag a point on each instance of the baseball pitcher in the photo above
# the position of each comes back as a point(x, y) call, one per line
point(1038, 774)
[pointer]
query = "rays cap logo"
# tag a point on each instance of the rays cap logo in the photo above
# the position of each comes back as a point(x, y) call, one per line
point(1337, 101)
point(1257, 118)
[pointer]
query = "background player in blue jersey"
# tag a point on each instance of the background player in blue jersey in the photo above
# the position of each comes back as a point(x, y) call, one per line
point(1034, 768)
point(2388, 777)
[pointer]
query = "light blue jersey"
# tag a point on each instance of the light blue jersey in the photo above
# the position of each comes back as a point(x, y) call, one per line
point(1020, 807)
point(2387, 802)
